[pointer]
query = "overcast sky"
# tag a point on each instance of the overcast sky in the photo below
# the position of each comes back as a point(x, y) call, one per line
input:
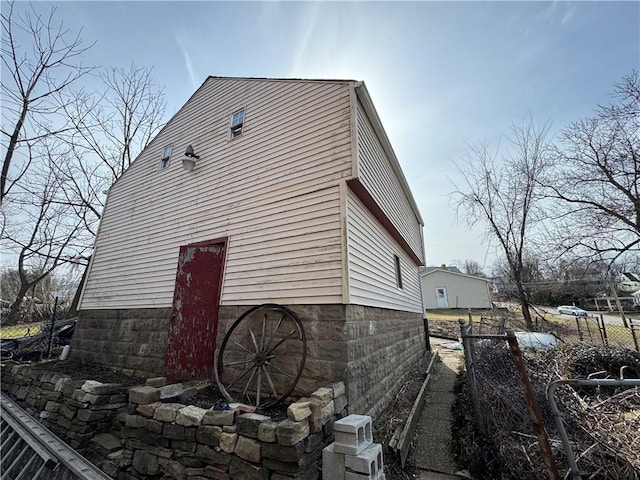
point(442, 75)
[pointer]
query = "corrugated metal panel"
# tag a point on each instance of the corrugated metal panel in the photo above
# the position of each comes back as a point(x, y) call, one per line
point(372, 274)
point(30, 451)
point(273, 191)
point(463, 291)
point(378, 177)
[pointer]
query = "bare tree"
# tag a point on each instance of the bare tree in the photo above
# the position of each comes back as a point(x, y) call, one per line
point(471, 267)
point(124, 119)
point(500, 190)
point(596, 179)
point(38, 84)
point(64, 146)
point(117, 125)
point(47, 233)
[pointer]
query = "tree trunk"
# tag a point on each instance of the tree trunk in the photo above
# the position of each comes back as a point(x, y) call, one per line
point(16, 307)
point(524, 304)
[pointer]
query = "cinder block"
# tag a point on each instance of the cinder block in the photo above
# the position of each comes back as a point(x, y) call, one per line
point(332, 463)
point(368, 463)
point(353, 434)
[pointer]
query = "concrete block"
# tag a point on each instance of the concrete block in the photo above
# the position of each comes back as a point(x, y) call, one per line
point(369, 462)
point(167, 412)
point(249, 449)
point(298, 411)
point(353, 434)
point(248, 424)
point(290, 432)
point(228, 442)
point(190, 416)
point(332, 463)
point(267, 431)
point(339, 403)
point(168, 392)
point(219, 417)
point(324, 394)
point(338, 389)
point(143, 395)
point(156, 382)
point(209, 434)
point(148, 410)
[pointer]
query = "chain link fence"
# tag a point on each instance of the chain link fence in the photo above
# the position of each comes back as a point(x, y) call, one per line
point(32, 341)
point(594, 329)
point(576, 429)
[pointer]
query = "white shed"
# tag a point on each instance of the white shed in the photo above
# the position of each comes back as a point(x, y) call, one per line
point(443, 288)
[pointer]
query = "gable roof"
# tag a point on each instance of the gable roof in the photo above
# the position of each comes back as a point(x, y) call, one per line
point(430, 270)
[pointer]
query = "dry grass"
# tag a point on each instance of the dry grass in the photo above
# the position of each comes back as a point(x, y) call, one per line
point(18, 331)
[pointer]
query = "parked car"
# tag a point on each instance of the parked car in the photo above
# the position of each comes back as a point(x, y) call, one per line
point(571, 310)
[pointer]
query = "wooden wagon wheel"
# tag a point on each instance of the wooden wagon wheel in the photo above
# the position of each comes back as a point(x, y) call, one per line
point(262, 356)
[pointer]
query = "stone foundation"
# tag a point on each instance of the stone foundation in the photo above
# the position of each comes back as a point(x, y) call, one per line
point(370, 349)
point(133, 340)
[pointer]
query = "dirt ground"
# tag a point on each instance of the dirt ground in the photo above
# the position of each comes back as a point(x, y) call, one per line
point(394, 417)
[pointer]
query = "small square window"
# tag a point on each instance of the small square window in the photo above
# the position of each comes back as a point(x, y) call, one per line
point(166, 154)
point(398, 271)
point(237, 122)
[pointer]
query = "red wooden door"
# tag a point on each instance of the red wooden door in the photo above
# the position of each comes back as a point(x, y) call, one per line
point(194, 321)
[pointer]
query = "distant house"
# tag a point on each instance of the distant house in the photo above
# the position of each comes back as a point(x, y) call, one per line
point(444, 287)
point(262, 191)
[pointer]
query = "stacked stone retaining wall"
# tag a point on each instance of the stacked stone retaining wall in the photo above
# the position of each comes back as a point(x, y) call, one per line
point(75, 410)
point(145, 432)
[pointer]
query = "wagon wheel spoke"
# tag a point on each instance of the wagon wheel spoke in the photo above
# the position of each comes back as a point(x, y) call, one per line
point(253, 372)
point(273, 389)
point(230, 364)
point(279, 370)
point(242, 347)
point(281, 342)
point(239, 377)
point(275, 331)
point(264, 332)
point(258, 384)
point(253, 339)
point(250, 362)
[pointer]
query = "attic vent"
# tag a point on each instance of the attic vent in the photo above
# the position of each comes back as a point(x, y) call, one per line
point(237, 122)
point(166, 155)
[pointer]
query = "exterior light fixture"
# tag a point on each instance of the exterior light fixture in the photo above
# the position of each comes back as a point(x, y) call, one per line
point(189, 162)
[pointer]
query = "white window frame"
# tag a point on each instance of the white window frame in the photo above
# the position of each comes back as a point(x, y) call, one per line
point(165, 159)
point(237, 129)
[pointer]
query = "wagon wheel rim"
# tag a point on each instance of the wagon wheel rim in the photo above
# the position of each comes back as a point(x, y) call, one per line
point(262, 356)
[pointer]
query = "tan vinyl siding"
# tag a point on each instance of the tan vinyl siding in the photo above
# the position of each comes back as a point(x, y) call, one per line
point(273, 191)
point(463, 291)
point(372, 274)
point(378, 177)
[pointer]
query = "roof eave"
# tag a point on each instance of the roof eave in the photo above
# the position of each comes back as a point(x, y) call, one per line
point(370, 109)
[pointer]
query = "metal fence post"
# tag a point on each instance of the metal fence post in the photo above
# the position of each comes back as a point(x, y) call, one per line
point(534, 411)
point(465, 331)
point(603, 332)
point(579, 329)
point(634, 325)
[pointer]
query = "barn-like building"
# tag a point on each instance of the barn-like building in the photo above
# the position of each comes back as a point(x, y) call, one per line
point(289, 193)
